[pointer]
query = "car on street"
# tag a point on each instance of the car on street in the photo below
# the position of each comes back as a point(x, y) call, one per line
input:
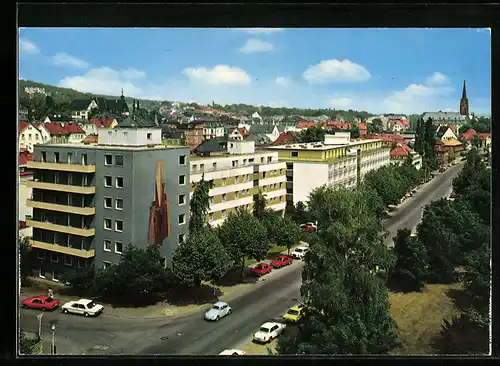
point(299, 252)
point(219, 310)
point(268, 331)
point(232, 352)
point(281, 261)
point(294, 313)
point(309, 226)
point(261, 269)
point(40, 302)
point(84, 307)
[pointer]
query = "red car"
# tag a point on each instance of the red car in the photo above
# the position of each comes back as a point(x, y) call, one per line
point(40, 302)
point(282, 261)
point(261, 269)
point(309, 226)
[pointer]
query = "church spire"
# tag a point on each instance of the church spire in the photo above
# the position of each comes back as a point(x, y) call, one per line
point(464, 103)
point(464, 92)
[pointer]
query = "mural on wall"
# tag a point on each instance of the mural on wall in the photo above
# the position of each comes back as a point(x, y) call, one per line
point(159, 219)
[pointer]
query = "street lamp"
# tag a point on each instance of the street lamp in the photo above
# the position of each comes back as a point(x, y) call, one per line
point(40, 331)
point(53, 327)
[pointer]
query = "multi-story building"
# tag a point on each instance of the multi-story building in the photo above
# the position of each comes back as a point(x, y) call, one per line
point(338, 162)
point(91, 201)
point(238, 173)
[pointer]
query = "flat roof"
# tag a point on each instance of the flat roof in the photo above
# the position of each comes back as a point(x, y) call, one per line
point(113, 147)
point(321, 146)
point(228, 155)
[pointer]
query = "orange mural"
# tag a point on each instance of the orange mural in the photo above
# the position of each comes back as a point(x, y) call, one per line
point(159, 219)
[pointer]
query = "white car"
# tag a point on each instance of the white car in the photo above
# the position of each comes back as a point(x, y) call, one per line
point(219, 310)
point(232, 352)
point(83, 307)
point(268, 331)
point(299, 252)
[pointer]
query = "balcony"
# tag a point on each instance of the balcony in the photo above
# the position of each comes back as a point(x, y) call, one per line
point(61, 249)
point(78, 168)
point(61, 208)
point(61, 187)
point(60, 228)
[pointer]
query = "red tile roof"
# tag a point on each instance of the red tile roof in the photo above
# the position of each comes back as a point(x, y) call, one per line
point(62, 128)
point(283, 138)
point(484, 135)
point(338, 125)
point(387, 137)
point(400, 151)
point(22, 126)
point(453, 128)
point(242, 130)
point(90, 139)
point(24, 158)
point(468, 135)
point(306, 124)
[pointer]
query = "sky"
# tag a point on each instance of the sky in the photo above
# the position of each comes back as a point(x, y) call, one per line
point(376, 70)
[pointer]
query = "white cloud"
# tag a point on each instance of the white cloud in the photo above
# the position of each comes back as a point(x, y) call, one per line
point(260, 30)
point(256, 45)
point(63, 59)
point(436, 79)
point(26, 46)
point(284, 81)
point(335, 70)
point(220, 74)
point(340, 102)
point(103, 80)
point(20, 77)
point(132, 73)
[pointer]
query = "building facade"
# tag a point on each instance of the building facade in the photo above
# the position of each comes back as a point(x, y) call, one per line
point(337, 162)
point(237, 175)
point(90, 201)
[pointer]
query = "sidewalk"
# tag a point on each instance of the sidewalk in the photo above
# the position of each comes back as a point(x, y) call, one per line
point(160, 310)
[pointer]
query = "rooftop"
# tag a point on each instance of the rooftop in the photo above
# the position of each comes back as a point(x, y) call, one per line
point(81, 145)
point(321, 146)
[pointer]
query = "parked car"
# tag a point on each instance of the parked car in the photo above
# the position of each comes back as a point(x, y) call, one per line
point(268, 331)
point(281, 261)
point(309, 226)
point(299, 252)
point(232, 352)
point(261, 269)
point(294, 313)
point(40, 302)
point(219, 310)
point(83, 307)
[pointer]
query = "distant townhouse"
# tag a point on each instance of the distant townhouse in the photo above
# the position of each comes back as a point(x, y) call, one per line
point(96, 123)
point(390, 139)
point(212, 130)
point(448, 147)
point(28, 136)
point(238, 134)
point(400, 154)
point(302, 125)
point(337, 161)
point(484, 138)
point(270, 131)
point(398, 125)
point(237, 172)
point(284, 138)
point(445, 118)
point(90, 201)
point(81, 107)
point(65, 133)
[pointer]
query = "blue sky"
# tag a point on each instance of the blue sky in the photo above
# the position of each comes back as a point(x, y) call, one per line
point(378, 70)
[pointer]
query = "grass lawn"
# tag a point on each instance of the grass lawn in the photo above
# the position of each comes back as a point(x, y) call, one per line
point(273, 252)
point(419, 316)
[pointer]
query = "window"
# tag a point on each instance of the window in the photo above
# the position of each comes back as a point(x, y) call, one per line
point(55, 276)
point(41, 273)
point(223, 197)
point(107, 181)
point(36, 137)
point(119, 182)
point(149, 135)
point(261, 160)
point(56, 157)
point(108, 159)
point(125, 135)
point(107, 224)
point(180, 238)
point(202, 167)
point(236, 195)
point(119, 160)
point(182, 219)
point(236, 179)
point(195, 167)
point(182, 180)
point(22, 136)
point(250, 161)
point(182, 199)
point(29, 136)
point(182, 160)
point(54, 257)
point(244, 178)
point(211, 199)
point(264, 175)
point(44, 156)
point(107, 202)
point(106, 265)
point(69, 155)
point(235, 163)
point(119, 225)
point(223, 181)
point(269, 159)
point(41, 255)
point(68, 261)
point(244, 161)
point(107, 245)
point(84, 159)
point(295, 154)
point(118, 247)
point(223, 213)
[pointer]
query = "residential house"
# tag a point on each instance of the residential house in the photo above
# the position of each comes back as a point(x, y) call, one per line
point(485, 138)
point(398, 125)
point(28, 136)
point(96, 123)
point(363, 130)
point(389, 139)
point(80, 108)
point(270, 131)
point(440, 118)
point(256, 116)
point(213, 130)
point(444, 132)
point(238, 134)
point(284, 138)
point(302, 125)
point(260, 140)
point(43, 130)
point(65, 133)
point(23, 114)
point(401, 152)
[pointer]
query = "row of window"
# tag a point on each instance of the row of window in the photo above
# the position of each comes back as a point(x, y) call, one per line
point(234, 163)
point(181, 220)
point(272, 201)
point(108, 203)
point(118, 246)
point(69, 157)
point(67, 259)
point(36, 137)
point(108, 181)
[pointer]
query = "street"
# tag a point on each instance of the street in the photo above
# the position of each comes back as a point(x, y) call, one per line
point(191, 334)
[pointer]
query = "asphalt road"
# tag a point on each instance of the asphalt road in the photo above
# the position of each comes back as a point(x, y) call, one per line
point(191, 334)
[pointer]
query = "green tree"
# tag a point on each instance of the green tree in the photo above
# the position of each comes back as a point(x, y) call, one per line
point(243, 236)
point(420, 136)
point(202, 257)
point(476, 141)
point(199, 204)
point(355, 132)
point(378, 125)
point(94, 112)
point(429, 149)
point(312, 134)
point(26, 346)
point(50, 105)
point(477, 283)
point(81, 279)
point(285, 232)
point(25, 259)
point(259, 205)
point(411, 259)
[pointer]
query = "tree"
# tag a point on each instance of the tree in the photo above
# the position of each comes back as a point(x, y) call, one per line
point(259, 205)
point(476, 141)
point(50, 105)
point(429, 149)
point(199, 204)
point(378, 125)
point(243, 236)
point(202, 257)
point(411, 259)
point(26, 345)
point(420, 136)
point(312, 134)
point(477, 283)
point(94, 112)
point(25, 259)
point(81, 279)
point(285, 232)
point(355, 132)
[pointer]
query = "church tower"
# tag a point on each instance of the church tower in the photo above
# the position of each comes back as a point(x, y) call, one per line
point(464, 103)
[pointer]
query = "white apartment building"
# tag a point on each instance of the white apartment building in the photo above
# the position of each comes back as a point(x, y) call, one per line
point(237, 175)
